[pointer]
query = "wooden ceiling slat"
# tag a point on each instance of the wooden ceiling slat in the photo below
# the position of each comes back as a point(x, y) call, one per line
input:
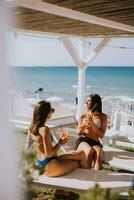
point(97, 7)
point(92, 5)
point(116, 10)
point(113, 10)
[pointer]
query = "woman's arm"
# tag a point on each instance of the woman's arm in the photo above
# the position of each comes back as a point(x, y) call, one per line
point(81, 118)
point(99, 132)
point(29, 142)
point(80, 127)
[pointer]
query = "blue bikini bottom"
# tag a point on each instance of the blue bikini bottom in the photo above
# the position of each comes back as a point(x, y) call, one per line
point(43, 163)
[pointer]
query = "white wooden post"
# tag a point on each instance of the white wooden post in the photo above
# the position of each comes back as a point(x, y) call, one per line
point(81, 90)
point(81, 79)
point(8, 168)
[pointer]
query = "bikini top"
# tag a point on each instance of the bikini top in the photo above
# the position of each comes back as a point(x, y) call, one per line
point(96, 120)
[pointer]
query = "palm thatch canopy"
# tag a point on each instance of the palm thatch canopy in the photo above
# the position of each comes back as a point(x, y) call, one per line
point(43, 21)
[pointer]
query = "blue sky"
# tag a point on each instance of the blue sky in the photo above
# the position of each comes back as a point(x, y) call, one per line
point(34, 51)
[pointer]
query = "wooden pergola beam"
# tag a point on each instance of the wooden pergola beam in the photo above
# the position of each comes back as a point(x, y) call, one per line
point(65, 12)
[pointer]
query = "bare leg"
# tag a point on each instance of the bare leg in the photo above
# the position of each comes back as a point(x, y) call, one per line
point(98, 157)
point(59, 168)
point(75, 155)
point(89, 151)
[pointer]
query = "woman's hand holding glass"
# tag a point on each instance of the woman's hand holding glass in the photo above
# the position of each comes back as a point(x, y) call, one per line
point(89, 118)
point(64, 137)
point(82, 127)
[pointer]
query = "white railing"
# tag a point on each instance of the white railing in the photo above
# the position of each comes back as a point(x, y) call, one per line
point(118, 114)
point(20, 106)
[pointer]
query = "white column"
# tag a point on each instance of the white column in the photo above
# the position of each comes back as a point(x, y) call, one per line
point(81, 90)
point(81, 79)
point(7, 151)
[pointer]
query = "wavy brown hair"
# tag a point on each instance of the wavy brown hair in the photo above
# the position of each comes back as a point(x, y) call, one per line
point(96, 102)
point(40, 114)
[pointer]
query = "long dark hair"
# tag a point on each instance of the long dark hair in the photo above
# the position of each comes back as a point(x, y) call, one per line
point(40, 114)
point(96, 102)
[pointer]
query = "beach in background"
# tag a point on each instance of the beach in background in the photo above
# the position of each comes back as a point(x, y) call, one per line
point(116, 82)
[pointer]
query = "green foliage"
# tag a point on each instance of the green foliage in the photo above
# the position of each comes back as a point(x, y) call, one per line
point(29, 167)
point(42, 192)
point(131, 195)
point(98, 193)
point(46, 193)
point(126, 148)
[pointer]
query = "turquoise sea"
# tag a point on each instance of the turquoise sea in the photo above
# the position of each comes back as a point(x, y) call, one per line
point(58, 81)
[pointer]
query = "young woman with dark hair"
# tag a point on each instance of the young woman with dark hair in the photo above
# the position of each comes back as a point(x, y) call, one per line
point(92, 127)
point(39, 135)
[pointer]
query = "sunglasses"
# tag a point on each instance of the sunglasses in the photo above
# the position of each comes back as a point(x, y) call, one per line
point(52, 110)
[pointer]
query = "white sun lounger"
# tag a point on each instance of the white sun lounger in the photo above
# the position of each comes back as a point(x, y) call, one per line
point(119, 158)
point(122, 137)
point(83, 179)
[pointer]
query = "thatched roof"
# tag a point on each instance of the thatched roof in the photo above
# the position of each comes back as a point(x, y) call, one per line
point(121, 11)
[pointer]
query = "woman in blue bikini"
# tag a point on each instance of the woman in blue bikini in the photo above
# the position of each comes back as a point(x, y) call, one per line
point(40, 135)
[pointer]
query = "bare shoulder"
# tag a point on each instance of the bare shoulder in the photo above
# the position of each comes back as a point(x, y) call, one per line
point(103, 116)
point(83, 114)
point(28, 131)
point(43, 131)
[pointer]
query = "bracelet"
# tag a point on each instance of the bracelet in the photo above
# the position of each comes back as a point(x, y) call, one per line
point(30, 142)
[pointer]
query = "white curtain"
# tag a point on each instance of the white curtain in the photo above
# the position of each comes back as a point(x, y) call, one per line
point(8, 168)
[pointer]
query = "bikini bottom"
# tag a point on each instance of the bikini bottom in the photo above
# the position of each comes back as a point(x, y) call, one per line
point(89, 141)
point(43, 163)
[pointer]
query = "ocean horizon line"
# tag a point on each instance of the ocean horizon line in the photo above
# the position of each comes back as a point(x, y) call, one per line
point(75, 66)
